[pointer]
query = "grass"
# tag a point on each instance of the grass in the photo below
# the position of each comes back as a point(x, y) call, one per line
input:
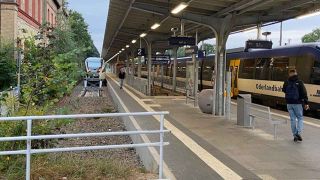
point(58, 166)
point(71, 167)
point(107, 109)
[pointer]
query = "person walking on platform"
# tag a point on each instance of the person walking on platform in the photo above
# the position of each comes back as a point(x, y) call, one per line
point(122, 76)
point(297, 99)
point(102, 76)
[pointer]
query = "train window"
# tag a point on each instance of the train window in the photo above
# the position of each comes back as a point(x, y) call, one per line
point(315, 74)
point(247, 67)
point(263, 69)
point(279, 68)
point(304, 67)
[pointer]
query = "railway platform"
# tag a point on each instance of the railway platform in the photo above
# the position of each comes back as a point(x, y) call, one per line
point(206, 147)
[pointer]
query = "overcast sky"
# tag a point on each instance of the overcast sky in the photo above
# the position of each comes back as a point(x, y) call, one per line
point(95, 13)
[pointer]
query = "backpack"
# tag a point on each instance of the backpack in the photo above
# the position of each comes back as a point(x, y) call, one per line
point(292, 90)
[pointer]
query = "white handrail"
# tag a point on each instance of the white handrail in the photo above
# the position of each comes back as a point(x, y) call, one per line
point(24, 118)
point(121, 133)
point(28, 138)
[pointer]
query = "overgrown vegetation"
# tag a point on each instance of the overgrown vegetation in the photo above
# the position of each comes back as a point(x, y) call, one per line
point(70, 166)
point(209, 48)
point(51, 67)
point(314, 36)
point(7, 66)
point(78, 168)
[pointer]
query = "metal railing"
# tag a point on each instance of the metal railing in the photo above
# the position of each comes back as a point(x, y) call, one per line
point(29, 137)
point(139, 84)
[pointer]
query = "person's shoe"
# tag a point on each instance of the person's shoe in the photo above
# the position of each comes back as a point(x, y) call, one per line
point(299, 137)
point(295, 138)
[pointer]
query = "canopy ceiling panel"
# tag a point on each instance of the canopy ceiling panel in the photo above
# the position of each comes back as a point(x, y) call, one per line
point(127, 19)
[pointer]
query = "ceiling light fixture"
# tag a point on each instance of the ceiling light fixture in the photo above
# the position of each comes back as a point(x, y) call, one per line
point(127, 46)
point(179, 8)
point(155, 26)
point(133, 41)
point(143, 35)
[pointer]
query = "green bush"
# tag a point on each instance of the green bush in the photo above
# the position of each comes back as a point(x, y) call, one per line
point(7, 66)
point(50, 69)
point(18, 128)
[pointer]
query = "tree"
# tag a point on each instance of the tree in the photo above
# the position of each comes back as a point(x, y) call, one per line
point(181, 52)
point(7, 67)
point(51, 70)
point(80, 33)
point(209, 48)
point(314, 36)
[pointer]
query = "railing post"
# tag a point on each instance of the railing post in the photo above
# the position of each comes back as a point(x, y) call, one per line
point(28, 159)
point(161, 147)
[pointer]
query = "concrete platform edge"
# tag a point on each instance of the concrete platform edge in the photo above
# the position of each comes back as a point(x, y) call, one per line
point(149, 156)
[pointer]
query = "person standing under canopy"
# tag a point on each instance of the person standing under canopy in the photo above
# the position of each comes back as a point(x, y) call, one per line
point(297, 99)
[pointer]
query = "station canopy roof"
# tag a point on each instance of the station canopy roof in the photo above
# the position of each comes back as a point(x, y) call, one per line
point(127, 19)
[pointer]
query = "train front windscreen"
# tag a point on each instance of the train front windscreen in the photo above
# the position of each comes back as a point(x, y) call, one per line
point(93, 64)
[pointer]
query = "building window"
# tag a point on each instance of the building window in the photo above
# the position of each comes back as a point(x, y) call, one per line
point(30, 8)
point(33, 8)
point(39, 11)
point(48, 16)
point(52, 22)
point(36, 10)
point(22, 4)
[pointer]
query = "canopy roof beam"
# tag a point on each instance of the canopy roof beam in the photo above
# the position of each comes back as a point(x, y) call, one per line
point(236, 7)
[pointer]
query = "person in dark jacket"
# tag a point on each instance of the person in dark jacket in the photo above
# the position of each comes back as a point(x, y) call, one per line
point(122, 76)
point(297, 99)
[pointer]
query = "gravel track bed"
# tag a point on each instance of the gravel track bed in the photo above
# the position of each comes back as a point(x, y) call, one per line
point(104, 104)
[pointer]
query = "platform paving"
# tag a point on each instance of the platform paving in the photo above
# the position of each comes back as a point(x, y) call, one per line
point(251, 154)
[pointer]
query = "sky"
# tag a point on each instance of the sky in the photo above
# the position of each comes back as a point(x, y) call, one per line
point(292, 30)
point(95, 13)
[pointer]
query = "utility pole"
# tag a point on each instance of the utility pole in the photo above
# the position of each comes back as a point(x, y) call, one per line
point(280, 34)
point(19, 72)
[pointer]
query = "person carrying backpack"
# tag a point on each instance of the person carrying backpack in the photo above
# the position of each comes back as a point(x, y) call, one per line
point(297, 99)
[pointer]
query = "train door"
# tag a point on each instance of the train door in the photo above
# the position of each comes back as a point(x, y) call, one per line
point(234, 68)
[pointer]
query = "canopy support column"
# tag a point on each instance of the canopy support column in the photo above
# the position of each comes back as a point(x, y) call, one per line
point(139, 67)
point(196, 73)
point(174, 73)
point(115, 67)
point(127, 64)
point(219, 75)
point(149, 67)
point(132, 69)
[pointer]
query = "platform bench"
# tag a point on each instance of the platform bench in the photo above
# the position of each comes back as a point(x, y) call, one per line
point(264, 112)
